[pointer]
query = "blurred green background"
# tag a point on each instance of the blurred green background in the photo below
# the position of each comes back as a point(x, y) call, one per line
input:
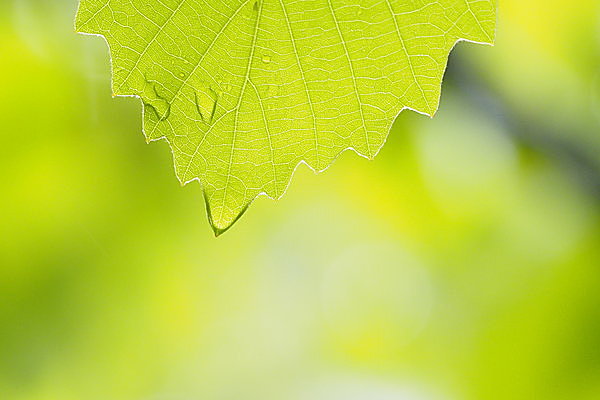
point(463, 263)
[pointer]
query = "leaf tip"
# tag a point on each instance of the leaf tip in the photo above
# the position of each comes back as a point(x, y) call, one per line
point(221, 225)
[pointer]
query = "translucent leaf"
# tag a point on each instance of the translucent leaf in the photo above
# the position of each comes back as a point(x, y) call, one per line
point(244, 91)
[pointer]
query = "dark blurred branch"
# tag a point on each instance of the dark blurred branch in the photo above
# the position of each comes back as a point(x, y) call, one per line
point(528, 130)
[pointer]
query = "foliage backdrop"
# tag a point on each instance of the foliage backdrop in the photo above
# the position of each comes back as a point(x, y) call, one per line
point(460, 264)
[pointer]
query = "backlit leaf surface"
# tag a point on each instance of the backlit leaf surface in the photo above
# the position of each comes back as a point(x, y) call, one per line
point(245, 90)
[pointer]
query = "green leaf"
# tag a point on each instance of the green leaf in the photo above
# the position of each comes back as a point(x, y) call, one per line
point(244, 91)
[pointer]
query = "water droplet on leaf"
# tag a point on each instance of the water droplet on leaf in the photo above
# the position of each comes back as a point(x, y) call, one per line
point(154, 101)
point(266, 58)
point(206, 103)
